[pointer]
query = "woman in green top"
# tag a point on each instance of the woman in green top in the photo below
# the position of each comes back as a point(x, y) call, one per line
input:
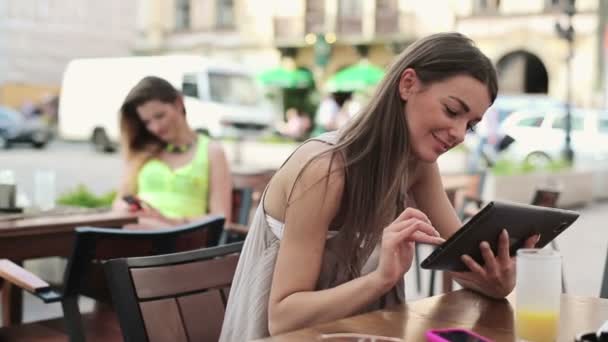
point(178, 175)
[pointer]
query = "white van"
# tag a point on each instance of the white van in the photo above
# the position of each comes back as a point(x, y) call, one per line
point(220, 97)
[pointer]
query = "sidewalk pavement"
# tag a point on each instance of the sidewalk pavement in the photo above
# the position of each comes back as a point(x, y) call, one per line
point(583, 247)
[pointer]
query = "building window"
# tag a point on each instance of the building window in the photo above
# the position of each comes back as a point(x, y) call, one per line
point(552, 5)
point(387, 17)
point(182, 14)
point(225, 13)
point(350, 13)
point(486, 6)
point(350, 8)
point(315, 16)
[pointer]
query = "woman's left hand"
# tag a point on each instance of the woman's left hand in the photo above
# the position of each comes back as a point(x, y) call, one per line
point(497, 277)
point(148, 211)
point(152, 218)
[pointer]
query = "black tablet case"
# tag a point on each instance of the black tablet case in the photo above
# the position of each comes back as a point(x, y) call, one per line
point(520, 220)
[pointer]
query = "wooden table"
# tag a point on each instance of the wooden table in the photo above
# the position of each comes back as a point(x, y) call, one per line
point(44, 236)
point(491, 318)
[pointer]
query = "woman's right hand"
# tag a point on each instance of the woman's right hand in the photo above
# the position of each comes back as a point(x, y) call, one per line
point(397, 247)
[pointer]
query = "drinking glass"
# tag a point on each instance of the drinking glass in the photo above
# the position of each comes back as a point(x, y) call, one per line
point(44, 189)
point(8, 189)
point(538, 294)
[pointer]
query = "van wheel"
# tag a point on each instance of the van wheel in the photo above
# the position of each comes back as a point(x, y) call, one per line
point(40, 139)
point(39, 144)
point(538, 159)
point(101, 142)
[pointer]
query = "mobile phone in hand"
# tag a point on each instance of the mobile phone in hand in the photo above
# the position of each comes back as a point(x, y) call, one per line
point(134, 202)
point(454, 335)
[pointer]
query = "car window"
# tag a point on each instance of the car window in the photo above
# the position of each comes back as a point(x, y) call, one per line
point(602, 125)
point(3, 118)
point(190, 85)
point(233, 89)
point(534, 121)
point(6, 117)
point(577, 123)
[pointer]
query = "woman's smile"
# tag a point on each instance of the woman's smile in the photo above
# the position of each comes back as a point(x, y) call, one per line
point(442, 145)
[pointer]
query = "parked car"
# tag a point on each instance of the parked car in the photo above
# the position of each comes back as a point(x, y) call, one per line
point(506, 104)
point(14, 128)
point(487, 133)
point(540, 135)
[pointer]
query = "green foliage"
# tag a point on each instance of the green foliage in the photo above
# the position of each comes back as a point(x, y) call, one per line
point(81, 196)
point(505, 167)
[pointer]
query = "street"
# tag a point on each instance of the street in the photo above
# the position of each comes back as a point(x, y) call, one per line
point(77, 163)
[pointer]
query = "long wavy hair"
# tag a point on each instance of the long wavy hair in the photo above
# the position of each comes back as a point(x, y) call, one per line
point(375, 145)
point(138, 143)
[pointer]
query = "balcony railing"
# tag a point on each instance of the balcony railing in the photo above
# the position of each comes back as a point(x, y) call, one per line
point(289, 29)
point(387, 23)
point(315, 22)
point(349, 26)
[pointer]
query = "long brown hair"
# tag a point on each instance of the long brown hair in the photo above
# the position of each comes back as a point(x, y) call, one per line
point(139, 144)
point(375, 144)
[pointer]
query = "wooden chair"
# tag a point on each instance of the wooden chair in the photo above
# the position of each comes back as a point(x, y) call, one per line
point(175, 297)
point(84, 276)
point(248, 187)
point(468, 202)
point(458, 198)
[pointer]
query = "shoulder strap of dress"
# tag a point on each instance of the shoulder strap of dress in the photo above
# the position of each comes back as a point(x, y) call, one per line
point(329, 138)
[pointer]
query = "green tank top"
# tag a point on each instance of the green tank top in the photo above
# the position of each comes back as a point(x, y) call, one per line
point(179, 193)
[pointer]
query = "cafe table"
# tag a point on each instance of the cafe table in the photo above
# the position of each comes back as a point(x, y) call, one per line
point(44, 235)
point(491, 318)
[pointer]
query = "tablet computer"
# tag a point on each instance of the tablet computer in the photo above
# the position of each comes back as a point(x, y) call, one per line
point(520, 220)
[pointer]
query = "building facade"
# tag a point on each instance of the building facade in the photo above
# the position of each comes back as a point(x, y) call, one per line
point(237, 30)
point(263, 33)
point(327, 35)
point(39, 37)
point(532, 54)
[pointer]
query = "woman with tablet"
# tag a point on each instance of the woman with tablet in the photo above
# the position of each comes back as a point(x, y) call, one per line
point(333, 235)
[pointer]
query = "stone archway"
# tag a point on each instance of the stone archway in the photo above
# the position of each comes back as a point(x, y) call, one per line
point(522, 72)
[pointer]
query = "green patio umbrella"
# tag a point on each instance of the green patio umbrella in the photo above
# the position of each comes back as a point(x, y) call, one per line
point(357, 77)
point(286, 78)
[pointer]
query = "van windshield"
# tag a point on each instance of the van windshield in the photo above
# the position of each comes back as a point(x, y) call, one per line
point(233, 89)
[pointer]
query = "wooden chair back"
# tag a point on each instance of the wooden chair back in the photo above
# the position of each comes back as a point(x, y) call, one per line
point(176, 297)
point(247, 192)
point(246, 195)
point(545, 197)
point(92, 246)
